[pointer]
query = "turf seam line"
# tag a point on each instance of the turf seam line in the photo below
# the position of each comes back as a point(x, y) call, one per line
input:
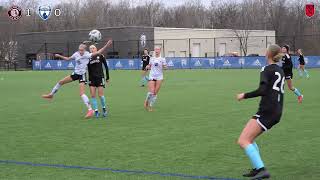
point(113, 170)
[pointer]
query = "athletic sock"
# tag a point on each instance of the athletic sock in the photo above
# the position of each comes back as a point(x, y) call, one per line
point(254, 156)
point(306, 73)
point(300, 72)
point(297, 92)
point(86, 101)
point(144, 80)
point(55, 89)
point(153, 100)
point(94, 104)
point(256, 146)
point(149, 94)
point(103, 101)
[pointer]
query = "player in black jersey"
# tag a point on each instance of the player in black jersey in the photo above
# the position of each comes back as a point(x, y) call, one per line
point(145, 62)
point(97, 80)
point(302, 64)
point(271, 90)
point(287, 67)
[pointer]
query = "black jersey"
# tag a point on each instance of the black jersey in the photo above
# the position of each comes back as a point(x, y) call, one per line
point(95, 67)
point(287, 62)
point(271, 89)
point(301, 60)
point(145, 60)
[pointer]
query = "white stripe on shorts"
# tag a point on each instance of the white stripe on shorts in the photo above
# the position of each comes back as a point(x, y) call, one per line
point(265, 129)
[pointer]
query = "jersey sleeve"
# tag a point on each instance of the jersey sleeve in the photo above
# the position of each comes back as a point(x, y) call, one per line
point(262, 89)
point(88, 55)
point(73, 57)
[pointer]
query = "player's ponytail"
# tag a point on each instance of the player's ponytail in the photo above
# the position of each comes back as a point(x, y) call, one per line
point(275, 52)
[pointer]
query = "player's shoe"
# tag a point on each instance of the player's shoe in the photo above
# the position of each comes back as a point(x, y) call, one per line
point(251, 173)
point(104, 112)
point(300, 98)
point(262, 173)
point(96, 114)
point(89, 114)
point(47, 96)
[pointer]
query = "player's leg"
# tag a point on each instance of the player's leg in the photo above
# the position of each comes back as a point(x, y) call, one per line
point(143, 77)
point(55, 89)
point(94, 100)
point(150, 93)
point(247, 142)
point(155, 95)
point(300, 70)
point(295, 90)
point(306, 73)
point(85, 99)
point(102, 100)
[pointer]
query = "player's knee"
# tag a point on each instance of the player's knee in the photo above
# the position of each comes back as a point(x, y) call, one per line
point(242, 142)
point(61, 82)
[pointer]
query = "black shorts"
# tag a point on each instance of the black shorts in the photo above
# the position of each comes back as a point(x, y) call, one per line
point(144, 67)
point(267, 120)
point(97, 82)
point(288, 73)
point(81, 78)
point(302, 63)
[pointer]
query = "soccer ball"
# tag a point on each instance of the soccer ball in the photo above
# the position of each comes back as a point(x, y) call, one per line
point(95, 35)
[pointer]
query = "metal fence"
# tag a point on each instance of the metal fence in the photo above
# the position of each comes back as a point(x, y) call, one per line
point(191, 47)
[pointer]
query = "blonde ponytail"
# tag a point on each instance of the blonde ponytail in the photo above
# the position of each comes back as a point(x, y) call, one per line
point(275, 52)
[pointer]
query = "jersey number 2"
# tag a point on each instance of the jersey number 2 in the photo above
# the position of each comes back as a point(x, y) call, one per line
point(275, 85)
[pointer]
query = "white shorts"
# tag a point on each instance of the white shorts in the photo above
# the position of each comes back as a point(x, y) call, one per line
point(155, 78)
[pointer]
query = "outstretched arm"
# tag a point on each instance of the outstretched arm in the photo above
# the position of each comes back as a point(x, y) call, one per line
point(100, 51)
point(62, 57)
point(261, 91)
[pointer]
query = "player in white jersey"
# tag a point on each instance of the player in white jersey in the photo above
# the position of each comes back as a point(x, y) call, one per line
point(156, 66)
point(81, 58)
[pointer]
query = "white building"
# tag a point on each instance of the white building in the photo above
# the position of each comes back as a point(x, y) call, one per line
point(182, 42)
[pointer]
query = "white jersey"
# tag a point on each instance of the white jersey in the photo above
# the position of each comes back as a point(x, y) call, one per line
point(156, 71)
point(81, 62)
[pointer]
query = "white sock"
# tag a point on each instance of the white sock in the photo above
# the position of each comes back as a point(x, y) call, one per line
point(149, 94)
point(86, 101)
point(55, 89)
point(153, 100)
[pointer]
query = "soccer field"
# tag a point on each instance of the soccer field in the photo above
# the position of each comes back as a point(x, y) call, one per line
point(192, 132)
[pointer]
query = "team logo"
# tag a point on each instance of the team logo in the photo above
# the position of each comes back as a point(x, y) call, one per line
point(170, 63)
point(226, 63)
point(143, 40)
point(183, 62)
point(131, 63)
point(309, 9)
point(44, 12)
point(15, 12)
point(211, 62)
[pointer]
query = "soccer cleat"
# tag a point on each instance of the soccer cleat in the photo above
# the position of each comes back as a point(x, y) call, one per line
point(300, 98)
point(47, 96)
point(251, 173)
point(104, 112)
point(96, 114)
point(89, 114)
point(262, 173)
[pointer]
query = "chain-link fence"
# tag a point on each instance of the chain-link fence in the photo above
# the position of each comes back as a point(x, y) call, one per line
point(192, 47)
